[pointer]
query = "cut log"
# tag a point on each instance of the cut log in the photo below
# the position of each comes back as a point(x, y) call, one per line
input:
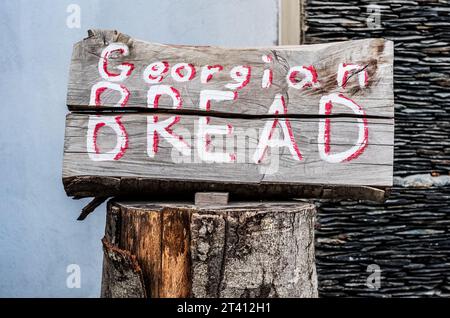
point(239, 250)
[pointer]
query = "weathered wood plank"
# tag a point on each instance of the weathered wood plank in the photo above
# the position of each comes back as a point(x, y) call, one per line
point(89, 67)
point(313, 121)
point(278, 167)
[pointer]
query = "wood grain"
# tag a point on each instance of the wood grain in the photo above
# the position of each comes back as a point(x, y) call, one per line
point(176, 253)
point(252, 250)
point(158, 239)
point(372, 168)
point(136, 171)
point(146, 248)
point(376, 55)
point(240, 250)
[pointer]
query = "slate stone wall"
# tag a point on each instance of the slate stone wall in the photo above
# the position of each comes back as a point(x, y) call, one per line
point(409, 235)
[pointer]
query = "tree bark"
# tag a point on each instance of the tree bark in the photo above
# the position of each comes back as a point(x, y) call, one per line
point(239, 250)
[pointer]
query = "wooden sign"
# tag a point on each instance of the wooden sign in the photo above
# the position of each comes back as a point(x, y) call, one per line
point(313, 120)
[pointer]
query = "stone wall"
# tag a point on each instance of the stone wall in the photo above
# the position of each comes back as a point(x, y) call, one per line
point(409, 235)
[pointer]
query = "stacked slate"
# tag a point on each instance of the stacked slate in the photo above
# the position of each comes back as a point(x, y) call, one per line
point(408, 237)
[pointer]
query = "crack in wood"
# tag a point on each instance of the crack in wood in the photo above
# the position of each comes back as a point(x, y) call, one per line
point(190, 112)
point(354, 73)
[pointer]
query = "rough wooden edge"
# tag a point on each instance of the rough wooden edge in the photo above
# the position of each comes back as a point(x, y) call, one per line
point(94, 186)
point(110, 35)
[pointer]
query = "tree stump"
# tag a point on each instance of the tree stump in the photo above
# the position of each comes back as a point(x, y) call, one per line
point(154, 249)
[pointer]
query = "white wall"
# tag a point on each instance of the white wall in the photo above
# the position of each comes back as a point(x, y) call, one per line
point(39, 234)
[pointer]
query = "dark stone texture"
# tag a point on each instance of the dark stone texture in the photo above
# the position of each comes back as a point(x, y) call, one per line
point(409, 235)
